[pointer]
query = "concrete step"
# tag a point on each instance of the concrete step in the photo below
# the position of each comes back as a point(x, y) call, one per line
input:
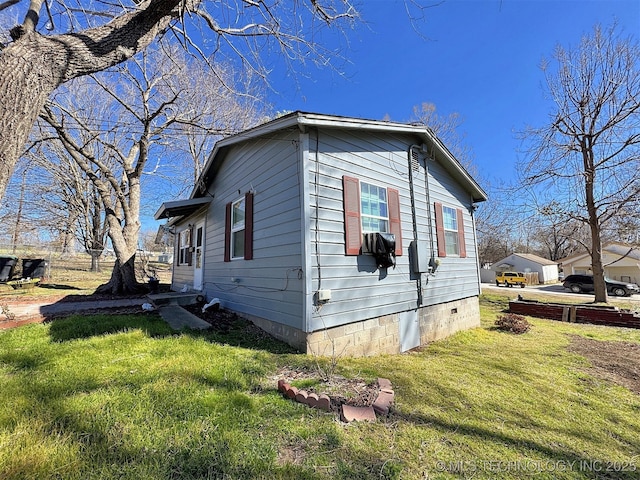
point(173, 298)
point(178, 318)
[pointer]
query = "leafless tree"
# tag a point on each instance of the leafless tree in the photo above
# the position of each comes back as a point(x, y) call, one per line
point(121, 134)
point(557, 237)
point(498, 229)
point(448, 128)
point(74, 40)
point(587, 157)
point(71, 204)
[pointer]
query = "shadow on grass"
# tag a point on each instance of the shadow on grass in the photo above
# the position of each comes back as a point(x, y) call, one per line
point(543, 457)
point(241, 333)
point(76, 327)
point(57, 286)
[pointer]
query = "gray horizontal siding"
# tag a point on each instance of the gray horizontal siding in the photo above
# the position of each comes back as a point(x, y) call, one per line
point(359, 291)
point(269, 286)
point(183, 274)
point(272, 285)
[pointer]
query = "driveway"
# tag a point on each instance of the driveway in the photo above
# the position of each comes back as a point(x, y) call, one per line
point(20, 311)
point(557, 289)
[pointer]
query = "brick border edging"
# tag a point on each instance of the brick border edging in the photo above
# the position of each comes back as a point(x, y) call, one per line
point(348, 413)
point(592, 314)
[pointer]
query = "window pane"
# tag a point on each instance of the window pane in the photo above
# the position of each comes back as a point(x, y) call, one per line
point(237, 216)
point(238, 244)
point(450, 218)
point(373, 208)
point(370, 224)
point(383, 210)
point(451, 241)
point(199, 237)
point(365, 207)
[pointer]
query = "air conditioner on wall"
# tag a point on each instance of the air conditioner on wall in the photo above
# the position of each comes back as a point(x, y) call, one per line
point(382, 246)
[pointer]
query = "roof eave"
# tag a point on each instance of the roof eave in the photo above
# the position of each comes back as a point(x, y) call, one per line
point(303, 119)
point(180, 208)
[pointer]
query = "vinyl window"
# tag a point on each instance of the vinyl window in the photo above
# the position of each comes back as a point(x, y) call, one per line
point(374, 208)
point(237, 228)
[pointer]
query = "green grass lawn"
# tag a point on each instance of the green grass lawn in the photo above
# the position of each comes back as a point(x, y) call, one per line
point(124, 397)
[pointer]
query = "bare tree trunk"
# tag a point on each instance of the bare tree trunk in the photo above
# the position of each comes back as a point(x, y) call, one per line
point(16, 230)
point(124, 239)
point(599, 285)
point(33, 66)
point(123, 280)
point(68, 242)
point(95, 262)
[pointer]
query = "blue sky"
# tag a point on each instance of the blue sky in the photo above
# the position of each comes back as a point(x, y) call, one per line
point(479, 58)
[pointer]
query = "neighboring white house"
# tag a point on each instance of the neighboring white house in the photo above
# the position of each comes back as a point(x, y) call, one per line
point(295, 224)
point(621, 262)
point(528, 262)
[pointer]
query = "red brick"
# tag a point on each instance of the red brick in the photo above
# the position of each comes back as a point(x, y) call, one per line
point(312, 400)
point(324, 403)
point(384, 383)
point(383, 402)
point(282, 386)
point(357, 414)
point(292, 392)
point(301, 396)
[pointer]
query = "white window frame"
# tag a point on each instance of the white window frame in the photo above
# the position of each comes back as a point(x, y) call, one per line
point(238, 228)
point(451, 227)
point(184, 245)
point(363, 215)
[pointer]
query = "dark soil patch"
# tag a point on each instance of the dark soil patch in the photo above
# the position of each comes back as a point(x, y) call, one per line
point(229, 328)
point(341, 390)
point(617, 362)
point(220, 320)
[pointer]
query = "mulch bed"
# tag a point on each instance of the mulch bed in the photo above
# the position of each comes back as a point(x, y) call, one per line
point(342, 391)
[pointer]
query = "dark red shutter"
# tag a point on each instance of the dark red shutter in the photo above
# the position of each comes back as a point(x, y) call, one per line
point(351, 203)
point(227, 233)
point(442, 247)
point(462, 248)
point(395, 225)
point(248, 226)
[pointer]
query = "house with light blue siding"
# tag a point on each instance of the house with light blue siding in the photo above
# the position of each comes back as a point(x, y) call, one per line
point(339, 236)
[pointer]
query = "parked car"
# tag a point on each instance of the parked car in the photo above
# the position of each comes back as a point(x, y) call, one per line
point(509, 279)
point(584, 283)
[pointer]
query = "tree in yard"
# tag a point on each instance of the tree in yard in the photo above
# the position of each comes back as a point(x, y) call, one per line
point(121, 135)
point(34, 64)
point(586, 159)
point(555, 236)
point(447, 128)
point(71, 203)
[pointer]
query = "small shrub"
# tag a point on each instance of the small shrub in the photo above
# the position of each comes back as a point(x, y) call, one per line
point(513, 323)
point(7, 312)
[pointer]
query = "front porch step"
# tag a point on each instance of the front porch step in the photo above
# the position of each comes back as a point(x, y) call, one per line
point(174, 298)
point(178, 318)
